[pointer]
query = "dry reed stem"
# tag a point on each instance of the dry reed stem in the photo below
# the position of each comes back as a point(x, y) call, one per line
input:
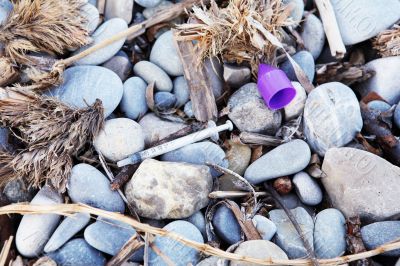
point(5, 251)
point(67, 209)
point(388, 42)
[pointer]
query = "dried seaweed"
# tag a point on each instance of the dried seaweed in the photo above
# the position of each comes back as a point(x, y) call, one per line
point(388, 42)
point(8, 71)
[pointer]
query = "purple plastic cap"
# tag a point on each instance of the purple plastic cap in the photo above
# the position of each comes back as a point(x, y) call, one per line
point(275, 87)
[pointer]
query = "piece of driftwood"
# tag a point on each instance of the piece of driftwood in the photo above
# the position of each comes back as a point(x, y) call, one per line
point(127, 250)
point(344, 72)
point(259, 139)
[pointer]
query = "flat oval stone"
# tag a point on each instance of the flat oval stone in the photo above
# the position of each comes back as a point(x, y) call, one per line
point(332, 117)
point(105, 31)
point(120, 65)
point(89, 186)
point(148, 3)
point(92, 16)
point(133, 102)
point(164, 100)
point(35, 229)
point(119, 9)
point(381, 106)
point(181, 91)
point(306, 62)
point(119, 138)
point(150, 72)
point(307, 189)
point(178, 253)
point(226, 226)
point(286, 159)
point(295, 108)
point(198, 220)
point(78, 252)
point(313, 35)
point(377, 234)
point(329, 234)
point(66, 230)
point(265, 227)
point(84, 84)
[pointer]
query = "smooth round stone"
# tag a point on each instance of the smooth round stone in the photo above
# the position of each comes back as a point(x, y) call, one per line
point(188, 109)
point(286, 159)
point(120, 65)
point(35, 229)
point(164, 100)
point(165, 55)
point(119, 138)
point(150, 73)
point(151, 11)
point(214, 72)
point(148, 3)
point(265, 227)
point(246, 102)
point(295, 108)
point(332, 117)
point(313, 35)
point(18, 191)
point(258, 249)
point(292, 201)
point(177, 252)
point(396, 116)
point(78, 252)
point(379, 233)
point(199, 153)
point(226, 226)
point(379, 106)
point(133, 103)
point(287, 237)
point(307, 189)
point(119, 9)
point(198, 220)
point(92, 16)
point(84, 84)
point(329, 234)
point(306, 62)
point(66, 230)
point(89, 186)
point(105, 31)
point(298, 9)
point(109, 236)
point(181, 91)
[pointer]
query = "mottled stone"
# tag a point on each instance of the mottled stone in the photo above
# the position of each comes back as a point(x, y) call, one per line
point(133, 103)
point(120, 65)
point(226, 225)
point(380, 233)
point(150, 72)
point(214, 72)
point(265, 227)
point(148, 3)
point(181, 91)
point(313, 35)
point(295, 108)
point(92, 16)
point(198, 220)
point(151, 11)
point(164, 100)
point(307, 189)
point(18, 191)
point(306, 62)
point(119, 9)
point(236, 76)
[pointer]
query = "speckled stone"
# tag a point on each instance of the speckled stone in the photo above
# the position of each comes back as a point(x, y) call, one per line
point(92, 16)
point(307, 189)
point(150, 72)
point(306, 62)
point(377, 234)
point(313, 35)
point(164, 100)
point(226, 226)
point(133, 103)
point(265, 227)
point(119, 9)
point(295, 108)
point(181, 91)
point(120, 65)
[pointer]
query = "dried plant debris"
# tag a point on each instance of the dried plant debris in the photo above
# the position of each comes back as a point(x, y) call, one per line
point(388, 42)
point(245, 31)
point(8, 71)
point(344, 72)
point(52, 131)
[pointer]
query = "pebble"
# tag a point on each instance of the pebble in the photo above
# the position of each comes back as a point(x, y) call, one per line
point(109, 236)
point(188, 109)
point(119, 9)
point(89, 186)
point(165, 55)
point(313, 35)
point(332, 117)
point(265, 227)
point(164, 100)
point(151, 11)
point(156, 129)
point(377, 234)
point(66, 230)
point(92, 16)
point(198, 220)
point(329, 234)
point(5, 10)
point(298, 9)
point(84, 84)
point(307, 189)
point(178, 253)
point(78, 252)
point(226, 226)
point(18, 191)
point(133, 103)
point(35, 229)
point(246, 102)
point(211, 261)
point(120, 65)
point(286, 159)
point(154, 193)
point(258, 249)
point(396, 116)
point(105, 31)
point(295, 108)
point(287, 237)
point(148, 3)
point(236, 76)
point(214, 72)
point(361, 183)
point(199, 153)
point(385, 81)
point(359, 20)
point(381, 106)
point(292, 201)
point(119, 138)
point(181, 91)
point(150, 72)
point(306, 62)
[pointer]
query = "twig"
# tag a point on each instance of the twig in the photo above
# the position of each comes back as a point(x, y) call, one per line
point(5, 251)
point(127, 250)
point(233, 194)
point(146, 248)
point(259, 139)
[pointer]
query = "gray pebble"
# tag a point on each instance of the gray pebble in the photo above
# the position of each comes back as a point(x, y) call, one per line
point(119, 9)
point(295, 108)
point(380, 106)
point(226, 226)
point(198, 220)
point(92, 16)
point(150, 72)
point(181, 91)
point(214, 72)
point(120, 65)
point(396, 116)
point(5, 9)
point(265, 227)
point(188, 109)
point(307, 189)
point(148, 3)
point(298, 9)
point(306, 62)
point(18, 191)
point(133, 103)
point(379, 233)
point(164, 100)
point(236, 76)
point(151, 11)
point(313, 35)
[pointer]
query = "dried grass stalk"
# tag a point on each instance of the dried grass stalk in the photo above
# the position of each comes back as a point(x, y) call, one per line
point(388, 42)
point(8, 72)
point(344, 72)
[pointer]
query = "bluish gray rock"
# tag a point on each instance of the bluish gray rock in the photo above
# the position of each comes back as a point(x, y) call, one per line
point(379, 233)
point(105, 31)
point(35, 229)
point(211, 261)
point(329, 234)
point(381, 106)
point(66, 230)
point(313, 35)
point(236, 76)
point(396, 116)
point(188, 109)
point(4, 136)
point(165, 55)
point(265, 227)
point(332, 117)
point(164, 100)
point(18, 191)
point(214, 72)
point(133, 102)
point(120, 65)
point(180, 254)
point(199, 153)
point(150, 72)
point(84, 84)
point(151, 11)
point(306, 62)
point(92, 16)
point(286, 159)
point(287, 237)
point(295, 108)
point(89, 186)
point(148, 3)
point(119, 9)
point(198, 220)
point(226, 226)
point(307, 189)
point(5, 10)
point(78, 252)
point(298, 9)
point(181, 91)
point(292, 201)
